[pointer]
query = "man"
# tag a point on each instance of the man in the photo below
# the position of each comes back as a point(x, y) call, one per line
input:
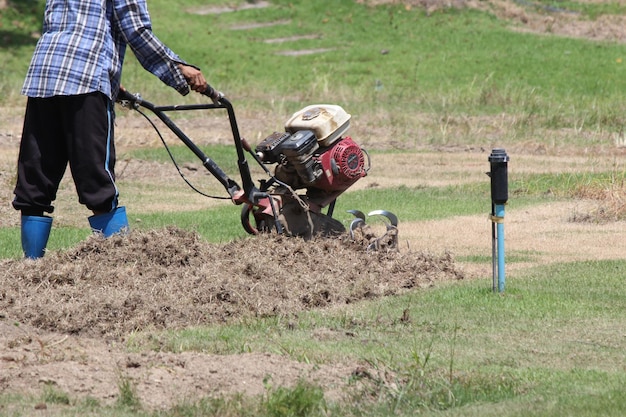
point(71, 84)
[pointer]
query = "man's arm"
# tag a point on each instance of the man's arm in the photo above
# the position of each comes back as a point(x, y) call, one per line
point(135, 26)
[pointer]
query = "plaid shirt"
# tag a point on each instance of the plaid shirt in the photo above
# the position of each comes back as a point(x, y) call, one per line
point(83, 46)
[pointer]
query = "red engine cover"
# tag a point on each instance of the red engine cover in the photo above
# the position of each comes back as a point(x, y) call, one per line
point(343, 164)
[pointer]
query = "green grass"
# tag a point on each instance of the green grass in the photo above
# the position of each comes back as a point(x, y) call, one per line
point(18, 23)
point(215, 225)
point(448, 63)
point(61, 239)
point(53, 395)
point(452, 62)
point(511, 257)
point(127, 398)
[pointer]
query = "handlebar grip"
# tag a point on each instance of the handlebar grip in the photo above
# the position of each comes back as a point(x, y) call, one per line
point(213, 94)
point(123, 94)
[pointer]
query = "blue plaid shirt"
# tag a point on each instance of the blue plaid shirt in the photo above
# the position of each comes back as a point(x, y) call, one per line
point(83, 45)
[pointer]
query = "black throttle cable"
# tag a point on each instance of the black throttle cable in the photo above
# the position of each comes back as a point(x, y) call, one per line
point(169, 152)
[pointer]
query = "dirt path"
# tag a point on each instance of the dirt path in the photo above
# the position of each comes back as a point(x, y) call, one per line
point(80, 367)
point(537, 235)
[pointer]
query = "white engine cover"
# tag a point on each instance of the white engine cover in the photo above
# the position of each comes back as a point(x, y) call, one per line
point(327, 121)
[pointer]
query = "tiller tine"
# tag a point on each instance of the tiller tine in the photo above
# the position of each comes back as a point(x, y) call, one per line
point(388, 240)
point(357, 223)
point(358, 214)
point(393, 219)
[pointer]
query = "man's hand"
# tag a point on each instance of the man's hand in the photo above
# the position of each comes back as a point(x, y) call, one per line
point(194, 77)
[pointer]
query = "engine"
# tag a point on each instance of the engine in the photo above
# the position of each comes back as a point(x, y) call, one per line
point(312, 153)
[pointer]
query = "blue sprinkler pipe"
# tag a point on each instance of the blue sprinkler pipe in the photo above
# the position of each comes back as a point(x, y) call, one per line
point(498, 161)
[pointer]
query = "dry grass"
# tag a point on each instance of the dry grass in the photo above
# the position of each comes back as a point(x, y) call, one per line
point(169, 279)
point(610, 198)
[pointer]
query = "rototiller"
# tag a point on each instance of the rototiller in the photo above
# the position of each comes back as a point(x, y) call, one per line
point(312, 154)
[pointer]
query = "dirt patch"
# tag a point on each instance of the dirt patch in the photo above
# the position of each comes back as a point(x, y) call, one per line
point(292, 38)
point(33, 360)
point(300, 52)
point(256, 25)
point(529, 17)
point(233, 7)
point(537, 235)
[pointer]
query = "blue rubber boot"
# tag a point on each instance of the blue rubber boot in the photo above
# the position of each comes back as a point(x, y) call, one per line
point(111, 223)
point(35, 234)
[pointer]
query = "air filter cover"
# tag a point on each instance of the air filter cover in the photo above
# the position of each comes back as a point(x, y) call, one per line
point(327, 121)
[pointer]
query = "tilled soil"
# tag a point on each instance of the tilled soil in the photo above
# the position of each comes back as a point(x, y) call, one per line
point(172, 279)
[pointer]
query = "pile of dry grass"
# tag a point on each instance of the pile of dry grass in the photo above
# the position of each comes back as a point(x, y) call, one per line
point(610, 198)
point(171, 278)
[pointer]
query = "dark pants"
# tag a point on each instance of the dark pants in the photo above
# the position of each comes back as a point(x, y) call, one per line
point(62, 129)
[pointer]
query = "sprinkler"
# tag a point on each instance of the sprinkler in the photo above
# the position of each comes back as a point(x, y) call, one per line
point(498, 161)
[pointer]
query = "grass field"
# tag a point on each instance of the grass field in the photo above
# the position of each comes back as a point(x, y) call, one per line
point(431, 90)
